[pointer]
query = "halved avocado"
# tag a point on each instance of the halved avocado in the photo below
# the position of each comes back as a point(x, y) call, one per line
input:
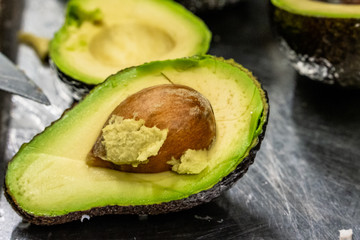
point(321, 38)
point(101, 37)
point(49, 182)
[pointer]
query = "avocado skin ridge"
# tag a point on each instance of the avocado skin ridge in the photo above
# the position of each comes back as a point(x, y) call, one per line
point(155, 209)
point(332, 43)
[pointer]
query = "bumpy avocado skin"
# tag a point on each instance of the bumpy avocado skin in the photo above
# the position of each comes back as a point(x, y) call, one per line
point(171, 206)
point(321, 48)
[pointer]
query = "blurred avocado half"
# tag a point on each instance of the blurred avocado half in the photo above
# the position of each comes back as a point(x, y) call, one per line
point(321, 38)
point(101, 37)
point(49, 181)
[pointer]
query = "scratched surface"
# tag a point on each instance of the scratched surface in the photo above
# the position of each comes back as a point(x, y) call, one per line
point(304, 184)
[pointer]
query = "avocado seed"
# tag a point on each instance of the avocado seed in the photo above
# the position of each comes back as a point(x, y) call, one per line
point(184, 112)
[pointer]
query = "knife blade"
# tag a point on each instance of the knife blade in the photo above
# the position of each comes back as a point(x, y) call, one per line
point(13, 80)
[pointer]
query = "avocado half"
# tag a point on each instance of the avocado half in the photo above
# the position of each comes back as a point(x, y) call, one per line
point(321, 38)
point(101, 37)
point(48, 181)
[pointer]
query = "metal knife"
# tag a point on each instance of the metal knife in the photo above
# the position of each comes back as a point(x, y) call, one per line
point(15, 81)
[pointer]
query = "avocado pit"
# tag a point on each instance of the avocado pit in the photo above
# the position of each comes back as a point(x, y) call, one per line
point(177, 117)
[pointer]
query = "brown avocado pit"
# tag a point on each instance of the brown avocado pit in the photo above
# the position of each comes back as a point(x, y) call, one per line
point(185, 113)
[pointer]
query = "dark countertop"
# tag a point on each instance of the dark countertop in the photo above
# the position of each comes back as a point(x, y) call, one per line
point(304, 183)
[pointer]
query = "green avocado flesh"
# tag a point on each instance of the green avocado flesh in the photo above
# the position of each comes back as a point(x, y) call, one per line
point(49, 175)
point(101, 37)
point(319, 8)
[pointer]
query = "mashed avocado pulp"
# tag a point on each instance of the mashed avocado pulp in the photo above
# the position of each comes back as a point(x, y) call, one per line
point(128, 141)
point(191, 162)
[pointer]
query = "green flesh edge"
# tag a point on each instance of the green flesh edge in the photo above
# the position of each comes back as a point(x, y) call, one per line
point(99, 37)
point(49, 176)
point(318, 8)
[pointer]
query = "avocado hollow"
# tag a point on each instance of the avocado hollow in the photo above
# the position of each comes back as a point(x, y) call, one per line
point(99, 38)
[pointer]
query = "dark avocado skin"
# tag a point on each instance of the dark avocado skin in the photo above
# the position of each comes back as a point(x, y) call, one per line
point(78, 89)
point(334, 39)
point(203, 5)
point(155, 209)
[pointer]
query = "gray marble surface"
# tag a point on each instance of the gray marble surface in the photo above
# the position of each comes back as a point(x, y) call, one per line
point(304, 184)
